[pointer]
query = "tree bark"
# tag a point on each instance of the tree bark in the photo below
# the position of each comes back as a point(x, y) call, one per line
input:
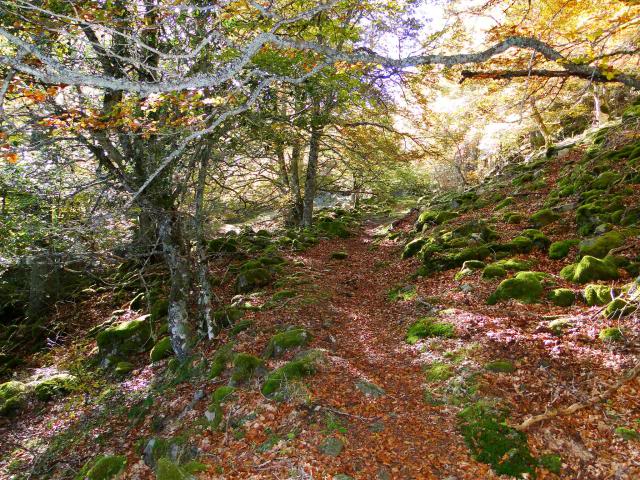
point(537, 117)
point(312, 172)
point(295, 215)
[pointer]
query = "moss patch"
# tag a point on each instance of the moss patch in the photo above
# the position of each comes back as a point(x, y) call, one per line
point(589, 269)
point(283, 341)
point(524, 287)
point(125, 338)
point(438, 372)
point(220, 360)
point(500, 366)
point(430, 327)
point(161, 350)
point(600, 246)
point(560, 249)
point(244, 367)
point(104, 467)
point(551, 462)
point(12, 396)
point(491, 441)
point(305, 364)
point(611, 334)
point(57, 385)
point(562, 297)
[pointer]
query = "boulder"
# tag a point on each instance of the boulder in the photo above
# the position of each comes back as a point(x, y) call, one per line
point(252, 279)
point(589, 269)
point(525, 287)
point(560, 249)
point(280, 342)
point(12, 396)
point(595, 294)
point(161, 350)
point(56, 385)
point(562, 297)
point(600, 246)
point(543, 217)
point(126, 338)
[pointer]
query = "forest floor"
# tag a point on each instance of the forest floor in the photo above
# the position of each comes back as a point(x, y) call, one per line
point(371, 396)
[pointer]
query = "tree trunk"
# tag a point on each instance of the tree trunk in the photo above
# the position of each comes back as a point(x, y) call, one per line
point(537, 117)
point(310, 181)
point(597, 119)
point(295, 216)
point(178, 317)
point(37, 287)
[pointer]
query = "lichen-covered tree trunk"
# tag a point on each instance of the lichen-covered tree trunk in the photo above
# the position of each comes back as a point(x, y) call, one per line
point(178, 316)
point(295, 215)
point(311, 177)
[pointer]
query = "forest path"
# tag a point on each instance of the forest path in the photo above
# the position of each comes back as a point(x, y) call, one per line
point(395, 435)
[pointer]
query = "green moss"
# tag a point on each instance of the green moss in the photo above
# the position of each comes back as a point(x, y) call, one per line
point(125, 338)
point(104, 467)
point(283, 295)
point(600, 246)
point(339, 255)
point(252, 279)
point(513, 264)
point(167, 470)
point(333, 228)
point(611, 334)
point(627, 433)
point(560, 249)
point(562, 297)
point(413, 247)
point(619, 308)
point(244, 367)
point(605, 180)
point(241, 327)
point(505, 203)
point(493, 271)
point(513, 217)
point(500, 366)
point(220, 359)
point(305, 364)
point(473, 264)
point(122, 368)
point(402, 293)
point(434, 217)
point(12, 396)
point(227, 316)
point(589, 269)
point(544, 217)
point(438, 372)
point(551, 462)
point(525, 287)
point(57, 385)
point(539, 239)
point(161, 350)
point(283, 341)
point(430, 327)
point(491, 441)
point(559, 326)
point(598, 294)
point(520, 244)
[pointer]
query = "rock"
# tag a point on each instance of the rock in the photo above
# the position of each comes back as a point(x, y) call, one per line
point(619, 308)
point(280, 342)
point(125, 338)
point(370, 389)
point(538, 239)
point(543, 217)
point(600, 246)
point(161, 350)
point(611, 334)
point(588, 269)
point(377, 427)
point(466, 288)
point(303, 365)
point(559, 326)
point(560, 249)
point(12, 396)
point(227, 316)
point(413, 247)
point(176, 450)
point(605, 180)
point(599, 294)
point(332, 446)
point(473, 265)
point(104, 467)
point(252, 279)
point(339, 255)
point(56, 385)
point(244, 367)
point(562, 297)
point(525, 287)
point(493, 271)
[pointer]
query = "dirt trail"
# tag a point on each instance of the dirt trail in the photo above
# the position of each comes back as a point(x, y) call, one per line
point(396, 435)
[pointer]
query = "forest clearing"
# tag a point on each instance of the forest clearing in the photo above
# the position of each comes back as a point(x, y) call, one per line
point(319, 240)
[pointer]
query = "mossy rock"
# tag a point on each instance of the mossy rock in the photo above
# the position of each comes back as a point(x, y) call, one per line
point(161, 350)
point(434, 217)
point(500, 366)
point(223, 245)
point(513, 264)
point(220, 360)
point(252, 279)
point(168, 470)
point(473, 265)
point(123, 367)
point(544, 217)
point(513, 217)
point(519, 244)
point(281, 342)
point(560, 249)
point(539, 239)
point(104, 467)
point(438, 372)
point(174, 449)
point(559, 326)
point(505, 203)
point(245, 366)
point(126, 338)
point(589, 269)
point(303, 365)
point(334, 228)
point(605, 180)
point(562, 297)
point(611, 334)
point(57, 385)
point(370, 389)
point(331, 446)
point(413, 247)
point(619, 308)
point(214, 413)
point(475, 229)
point(551, 462)
point(491, 441)
point(600, 246)
point(339, 255)
point(241, 327)
point(525, 287)
point(595, 294)
point(493, 271)
point(12, 396)
point(429, 327)
point(227, 316)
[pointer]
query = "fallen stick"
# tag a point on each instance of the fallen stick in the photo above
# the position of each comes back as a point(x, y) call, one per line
point(627, 377)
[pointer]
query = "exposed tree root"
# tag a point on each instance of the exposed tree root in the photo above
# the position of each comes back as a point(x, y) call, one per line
point(627, 377)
